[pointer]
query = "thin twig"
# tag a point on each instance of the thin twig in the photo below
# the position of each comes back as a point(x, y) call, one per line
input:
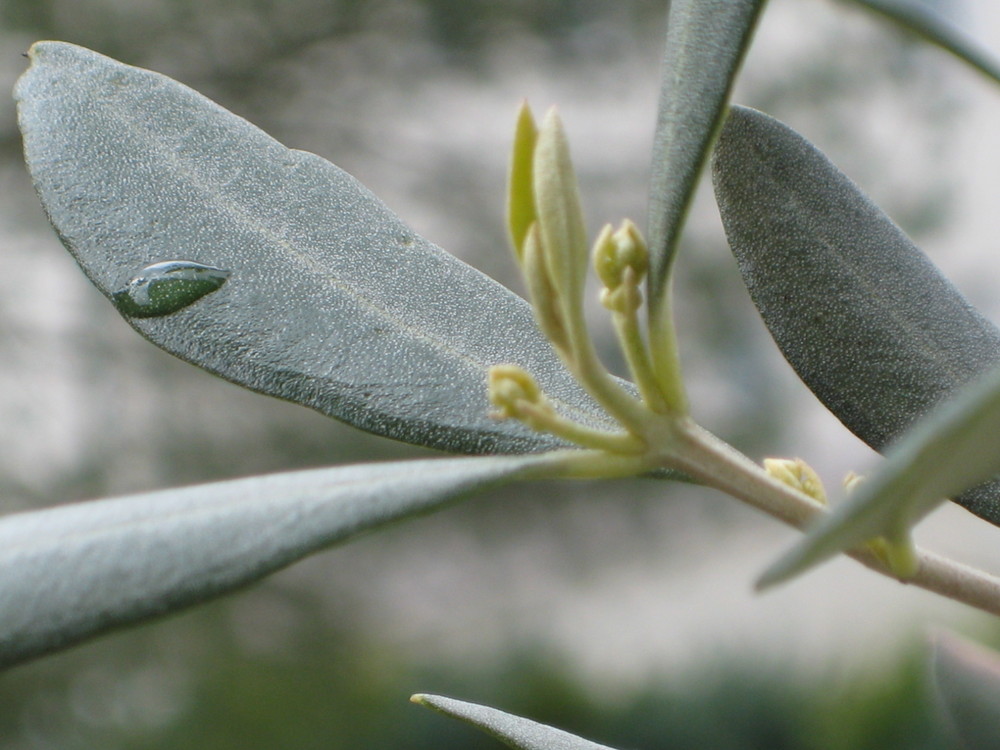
point(716, 464)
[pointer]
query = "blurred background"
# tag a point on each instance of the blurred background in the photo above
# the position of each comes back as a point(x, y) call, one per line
point(621, 611)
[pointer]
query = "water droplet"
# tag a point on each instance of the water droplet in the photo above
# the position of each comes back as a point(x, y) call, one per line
point(166, 287)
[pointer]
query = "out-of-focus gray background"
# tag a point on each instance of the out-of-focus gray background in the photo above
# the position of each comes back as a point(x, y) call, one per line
point(623, 608)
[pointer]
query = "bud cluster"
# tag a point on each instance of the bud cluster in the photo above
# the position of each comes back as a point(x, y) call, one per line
point(621, 260)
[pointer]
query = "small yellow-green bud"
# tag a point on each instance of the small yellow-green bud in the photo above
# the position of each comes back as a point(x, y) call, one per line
point(797, 474)
point(632, 248)
point(852, 480)
point(625, 298)
point(621, 259)
point(516, 394)
point(898, 555)
point(605, 258)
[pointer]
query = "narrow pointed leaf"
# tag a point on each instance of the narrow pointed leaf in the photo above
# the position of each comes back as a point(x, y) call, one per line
point(967, 682)
point(929, 24)
point(706, 43)
point(866, 320)
point(560, 215)
point(517, 732)
point(329, 300)
point(955, 447)
point(521, 212)
point(72, 572)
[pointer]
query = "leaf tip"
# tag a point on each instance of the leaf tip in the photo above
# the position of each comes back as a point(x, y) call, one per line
point(800, 558)
point(773, 576)
point(553, 144)
point(446, 706)
point(521, 213)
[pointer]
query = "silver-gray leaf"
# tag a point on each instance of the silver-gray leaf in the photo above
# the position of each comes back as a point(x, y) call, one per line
point(331, 302)
point(706, 43)
point(515, 731)
point(69, 573)
point(926, 21)
point(864, 317)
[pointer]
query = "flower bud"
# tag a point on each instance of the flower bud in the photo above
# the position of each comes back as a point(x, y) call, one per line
point(511, 389)
point(621, 259)
point(631, 248)
point(797, 474)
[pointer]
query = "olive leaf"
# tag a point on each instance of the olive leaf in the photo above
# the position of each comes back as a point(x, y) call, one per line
point(954, 447)
point(864, 317)
point(73, 572)
point(515, 731)
point(706, 42)
point(923, 20)
point(330, 300)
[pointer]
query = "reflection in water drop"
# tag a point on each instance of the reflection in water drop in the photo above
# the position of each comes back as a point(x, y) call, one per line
point(166, 287)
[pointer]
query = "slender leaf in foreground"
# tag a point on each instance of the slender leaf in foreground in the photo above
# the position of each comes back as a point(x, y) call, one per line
point(956, 446)
point(706, 43)
point(967, 682)
point(923, 20)
point(329, 299)
point(73, 572)
point(866, 320)
point(515, 731)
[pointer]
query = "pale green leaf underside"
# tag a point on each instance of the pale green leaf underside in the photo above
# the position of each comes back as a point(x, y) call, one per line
point(331, 301)
point(927, 23)
point(515, 731)
point(955, 447)
point(72, 572)
point(967, 682)
point(866, 320)
point(706, 42)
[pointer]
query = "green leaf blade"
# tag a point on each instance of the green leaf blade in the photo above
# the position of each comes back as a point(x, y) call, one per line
point(864, 318)
point(515, 731)
point(331, 302)
point(70, 573)
point(706, 43)
point(927, 23)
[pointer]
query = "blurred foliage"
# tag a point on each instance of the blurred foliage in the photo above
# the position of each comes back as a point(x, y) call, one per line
point(248, 33)
point(323, 689)
point(230, 49)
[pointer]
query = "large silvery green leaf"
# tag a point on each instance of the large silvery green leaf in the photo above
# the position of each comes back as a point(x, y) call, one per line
point(955, 447)
point(967, 682)
point(72, 572)
point(923, 20)
point(321, 295)
point(706, 42)
point(866, 320)
point(515, 731)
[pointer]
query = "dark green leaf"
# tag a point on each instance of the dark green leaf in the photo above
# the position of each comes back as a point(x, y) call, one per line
point(519, 733)
point(706, 42)
point(967, 678)
point(72, 572)
point(330, 302)
point(866, 320)
point(924, 21)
